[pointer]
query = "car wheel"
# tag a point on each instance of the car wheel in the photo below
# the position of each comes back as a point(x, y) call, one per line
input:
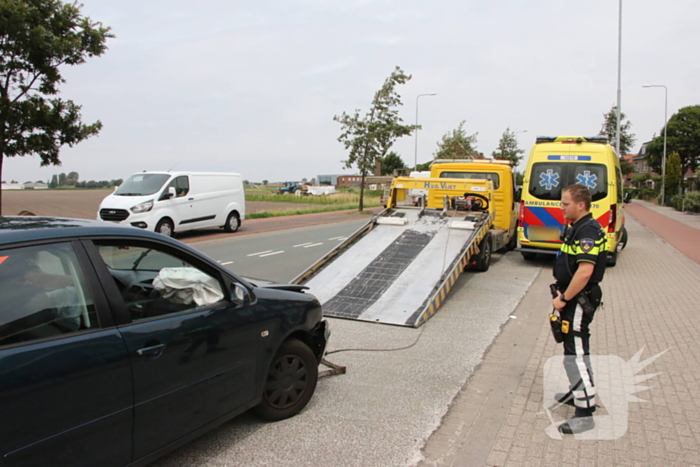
point(165, 227)
point(528, 255)
point(232, 222)
point(291, 381)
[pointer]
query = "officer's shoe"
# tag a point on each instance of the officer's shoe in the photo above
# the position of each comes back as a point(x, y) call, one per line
point(566, 398)
point(581, 421)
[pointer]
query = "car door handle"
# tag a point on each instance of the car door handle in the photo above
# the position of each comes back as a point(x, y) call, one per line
point(190, 199)
point(152, 350)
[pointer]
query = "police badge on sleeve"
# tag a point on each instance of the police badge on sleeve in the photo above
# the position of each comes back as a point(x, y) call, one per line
point(586, 244)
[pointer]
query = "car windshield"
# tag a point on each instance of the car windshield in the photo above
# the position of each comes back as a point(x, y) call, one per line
point(548, 178)
point(142, 184)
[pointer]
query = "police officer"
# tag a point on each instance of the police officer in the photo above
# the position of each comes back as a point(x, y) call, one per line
point(578, 270)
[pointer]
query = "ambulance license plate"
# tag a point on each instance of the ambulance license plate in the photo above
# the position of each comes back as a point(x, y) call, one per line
point(543, 234)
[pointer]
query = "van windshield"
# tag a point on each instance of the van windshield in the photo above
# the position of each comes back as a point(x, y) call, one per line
point(548, 178)
point(142, 184)
point(474, 176)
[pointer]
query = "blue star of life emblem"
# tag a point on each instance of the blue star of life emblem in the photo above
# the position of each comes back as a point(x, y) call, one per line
point(549, 179)
point(587, 179)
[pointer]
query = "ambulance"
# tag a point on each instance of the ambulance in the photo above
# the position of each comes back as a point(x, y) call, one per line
point(559, 161)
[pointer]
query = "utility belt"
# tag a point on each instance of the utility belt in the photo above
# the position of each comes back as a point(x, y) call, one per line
point(589, 300)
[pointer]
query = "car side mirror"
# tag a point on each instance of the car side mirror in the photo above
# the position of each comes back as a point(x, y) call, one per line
point(518, 194)
point(240, 294)
point(627, 198)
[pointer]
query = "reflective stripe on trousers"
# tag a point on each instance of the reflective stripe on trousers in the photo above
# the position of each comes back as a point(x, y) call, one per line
point(577, 362)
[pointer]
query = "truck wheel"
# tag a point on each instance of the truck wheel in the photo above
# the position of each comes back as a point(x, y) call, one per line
point(291, 381)
point(528, 255)
point(232, 222)
point(513, 242)
point(482, 260)
point(165, 227)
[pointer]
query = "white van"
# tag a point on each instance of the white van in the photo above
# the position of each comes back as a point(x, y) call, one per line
point(169, 202)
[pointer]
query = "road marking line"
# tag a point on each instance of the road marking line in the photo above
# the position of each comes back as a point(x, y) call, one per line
point(270, 254)
point(260, 253)
point(302, 244)
point(227, 262)
point(338, 238)
point(315, 244)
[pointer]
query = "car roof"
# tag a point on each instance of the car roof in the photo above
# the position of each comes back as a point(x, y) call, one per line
point(15, 229)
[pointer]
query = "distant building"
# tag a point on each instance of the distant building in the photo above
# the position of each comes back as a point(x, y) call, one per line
point(331, 180)
point(35, 186)
point(348, 180)
point(12, 186)
point(373, 182)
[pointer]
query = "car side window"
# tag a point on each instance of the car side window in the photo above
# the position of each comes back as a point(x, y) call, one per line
point(181, 185)
point(154, 283)
point(43, 294)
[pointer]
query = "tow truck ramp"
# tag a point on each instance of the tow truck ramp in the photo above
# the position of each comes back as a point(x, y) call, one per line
point(399, 267)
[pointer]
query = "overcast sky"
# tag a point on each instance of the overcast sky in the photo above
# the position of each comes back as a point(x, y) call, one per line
point(252, 87)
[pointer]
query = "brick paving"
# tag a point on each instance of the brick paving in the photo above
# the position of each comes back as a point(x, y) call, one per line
point(650, 303)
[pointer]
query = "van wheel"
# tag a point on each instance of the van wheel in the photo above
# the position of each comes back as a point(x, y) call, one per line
point(165, 227)
point(232, 222)
point(513, 242)
point(528, 255)
point(612, 259)
point(291, 381)
point(623, 239)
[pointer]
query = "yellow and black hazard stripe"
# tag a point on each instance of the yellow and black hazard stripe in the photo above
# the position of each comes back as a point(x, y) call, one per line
point(440, 295)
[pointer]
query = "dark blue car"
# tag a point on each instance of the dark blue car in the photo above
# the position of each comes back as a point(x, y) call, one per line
point(118, 345)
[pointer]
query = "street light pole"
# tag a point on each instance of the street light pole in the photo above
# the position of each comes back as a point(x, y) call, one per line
point(415, 155)
point(663, 161)
point(619, 80)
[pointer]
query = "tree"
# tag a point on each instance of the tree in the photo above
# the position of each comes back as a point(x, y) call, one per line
point(673, 173)
point(62, 179)
point(457, 145)
point(54, 182)
point(37, 39)
point(507, 149)
point(264, 182)
point(371, 136)
point(73, 176)
point(682, 136)
point(609, 129)
point(391, 162)
point(246, 182)
point(626, 166)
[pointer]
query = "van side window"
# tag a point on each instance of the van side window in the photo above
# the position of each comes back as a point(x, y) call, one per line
point(43, 294)
point(619, 184)
point(181, 185)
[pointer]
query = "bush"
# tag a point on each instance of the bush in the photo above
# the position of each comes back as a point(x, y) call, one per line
point(692, 202)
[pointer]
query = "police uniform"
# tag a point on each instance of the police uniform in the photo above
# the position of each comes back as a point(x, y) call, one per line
point(584, 241)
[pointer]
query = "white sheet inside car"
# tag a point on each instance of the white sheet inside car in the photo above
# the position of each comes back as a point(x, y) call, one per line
point(184, 285)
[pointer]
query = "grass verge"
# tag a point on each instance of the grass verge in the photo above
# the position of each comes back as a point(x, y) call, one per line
point(266, 214)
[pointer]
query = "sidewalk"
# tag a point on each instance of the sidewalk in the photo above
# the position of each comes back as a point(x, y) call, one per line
point(651, 302)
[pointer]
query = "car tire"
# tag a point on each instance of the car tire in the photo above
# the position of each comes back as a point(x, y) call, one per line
point(528, 255)
point(290, 383)
point(612, 259)
point(165, 227)
point(233, 222)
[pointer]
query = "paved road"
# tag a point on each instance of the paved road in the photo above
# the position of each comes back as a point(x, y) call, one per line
point(381, 412)
point(277, 256)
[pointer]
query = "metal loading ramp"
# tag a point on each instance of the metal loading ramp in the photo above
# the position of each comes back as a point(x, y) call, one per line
point(399, 271)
